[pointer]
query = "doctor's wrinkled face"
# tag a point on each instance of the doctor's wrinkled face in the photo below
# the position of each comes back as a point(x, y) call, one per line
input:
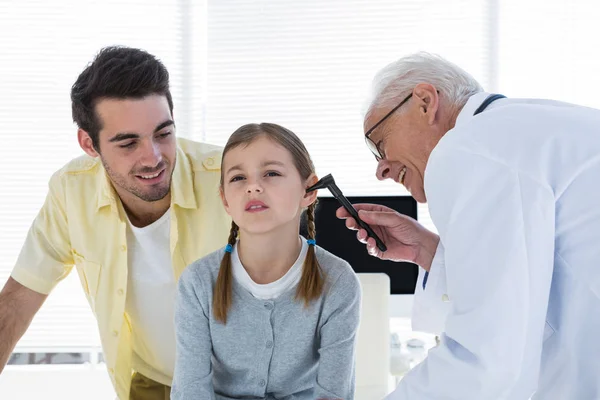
point(397, 163)
point(406, 138)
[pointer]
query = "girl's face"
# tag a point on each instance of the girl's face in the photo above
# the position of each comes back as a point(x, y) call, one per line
point(262, 189)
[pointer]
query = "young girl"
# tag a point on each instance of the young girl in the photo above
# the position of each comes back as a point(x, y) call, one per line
point(272, 315)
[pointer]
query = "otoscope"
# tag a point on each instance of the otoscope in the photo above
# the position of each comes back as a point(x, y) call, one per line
point(328, 182)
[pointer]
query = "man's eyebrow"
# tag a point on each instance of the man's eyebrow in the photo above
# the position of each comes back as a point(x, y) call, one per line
point(132, 135)
point(123, 136)
point(163, 125)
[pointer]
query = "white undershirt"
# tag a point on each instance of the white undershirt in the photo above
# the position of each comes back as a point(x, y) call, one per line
point(150, 303)
point(271, 290)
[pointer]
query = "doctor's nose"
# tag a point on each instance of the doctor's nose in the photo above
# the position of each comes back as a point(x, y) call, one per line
point(388, 170)
point(383, 170)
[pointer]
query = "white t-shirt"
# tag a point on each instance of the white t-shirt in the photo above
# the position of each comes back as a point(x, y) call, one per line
point(271, 290)
point(151, 291)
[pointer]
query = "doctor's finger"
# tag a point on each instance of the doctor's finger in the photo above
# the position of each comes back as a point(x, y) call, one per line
point(351, 224)
point(342, 213)
point(361, 235)
point(372, 248)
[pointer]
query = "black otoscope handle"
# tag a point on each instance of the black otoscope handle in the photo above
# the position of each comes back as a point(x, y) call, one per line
point(350, 208)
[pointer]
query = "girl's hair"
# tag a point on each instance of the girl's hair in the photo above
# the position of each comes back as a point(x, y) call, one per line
point(312, 280)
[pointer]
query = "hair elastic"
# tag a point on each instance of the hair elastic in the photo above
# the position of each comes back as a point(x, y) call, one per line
point(311, 242)
point(228, 248)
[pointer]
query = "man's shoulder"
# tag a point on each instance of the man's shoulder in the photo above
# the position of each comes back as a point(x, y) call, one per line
point(202, 156)
point(81, 164)
point(81, 169)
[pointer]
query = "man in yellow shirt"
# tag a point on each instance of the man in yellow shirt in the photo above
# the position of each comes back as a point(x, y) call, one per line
point(130, 215)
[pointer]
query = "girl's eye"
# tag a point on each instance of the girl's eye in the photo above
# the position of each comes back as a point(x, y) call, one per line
point(273, 173)
point(236, 178)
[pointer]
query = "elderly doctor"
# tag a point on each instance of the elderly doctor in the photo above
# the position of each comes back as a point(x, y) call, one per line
point(513, 187)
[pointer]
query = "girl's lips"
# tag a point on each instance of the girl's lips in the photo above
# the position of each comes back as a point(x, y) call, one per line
point(255, 206)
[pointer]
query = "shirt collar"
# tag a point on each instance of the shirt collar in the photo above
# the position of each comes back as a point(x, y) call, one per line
point(182, 182)
point(107, 196)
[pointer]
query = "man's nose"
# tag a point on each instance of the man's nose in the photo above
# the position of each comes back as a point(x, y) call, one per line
point(152, 155)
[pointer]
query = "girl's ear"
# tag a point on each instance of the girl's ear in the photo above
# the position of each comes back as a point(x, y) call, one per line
point(224, 200)
point(310, 198)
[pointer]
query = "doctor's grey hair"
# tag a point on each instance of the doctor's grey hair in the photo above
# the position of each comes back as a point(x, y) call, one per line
point(397, 80)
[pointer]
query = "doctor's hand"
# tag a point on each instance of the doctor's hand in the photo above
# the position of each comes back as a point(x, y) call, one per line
point(404, 237)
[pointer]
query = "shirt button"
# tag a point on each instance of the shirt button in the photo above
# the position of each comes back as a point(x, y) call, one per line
point(123, 248)
point(115, 333)
point(268, 306)
point(120, 292)
point(445, 298)
point(269, 344)
point(210, 161)
point(262, 382)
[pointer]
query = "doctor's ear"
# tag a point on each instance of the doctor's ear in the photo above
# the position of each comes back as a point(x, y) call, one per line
point(429, 100)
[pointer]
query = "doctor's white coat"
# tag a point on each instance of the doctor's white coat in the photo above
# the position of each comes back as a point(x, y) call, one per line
point(515, 283)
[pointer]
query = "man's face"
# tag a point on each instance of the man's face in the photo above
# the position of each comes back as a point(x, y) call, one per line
point(137, 146)
point(406, 139)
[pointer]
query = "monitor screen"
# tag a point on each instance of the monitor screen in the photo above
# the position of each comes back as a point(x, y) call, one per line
point(333, 236)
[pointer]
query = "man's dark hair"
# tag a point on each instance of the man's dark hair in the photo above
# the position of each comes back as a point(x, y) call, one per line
point(116, 73)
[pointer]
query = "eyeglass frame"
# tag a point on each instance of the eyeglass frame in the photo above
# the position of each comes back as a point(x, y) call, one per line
point(374, 147)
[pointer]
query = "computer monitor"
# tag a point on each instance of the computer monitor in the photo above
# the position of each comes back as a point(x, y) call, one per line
point(333, 236)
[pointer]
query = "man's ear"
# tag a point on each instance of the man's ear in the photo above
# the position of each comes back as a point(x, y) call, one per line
point(311, 197)
point(429, 101)
point(86, 144)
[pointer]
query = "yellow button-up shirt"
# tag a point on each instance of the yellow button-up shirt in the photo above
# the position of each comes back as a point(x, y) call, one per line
point(83, 224)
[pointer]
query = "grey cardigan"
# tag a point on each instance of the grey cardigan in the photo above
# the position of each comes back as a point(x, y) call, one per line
point(274, 349)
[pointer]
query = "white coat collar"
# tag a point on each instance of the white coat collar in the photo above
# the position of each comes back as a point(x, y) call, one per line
point(468, 110)
point(464, 117)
